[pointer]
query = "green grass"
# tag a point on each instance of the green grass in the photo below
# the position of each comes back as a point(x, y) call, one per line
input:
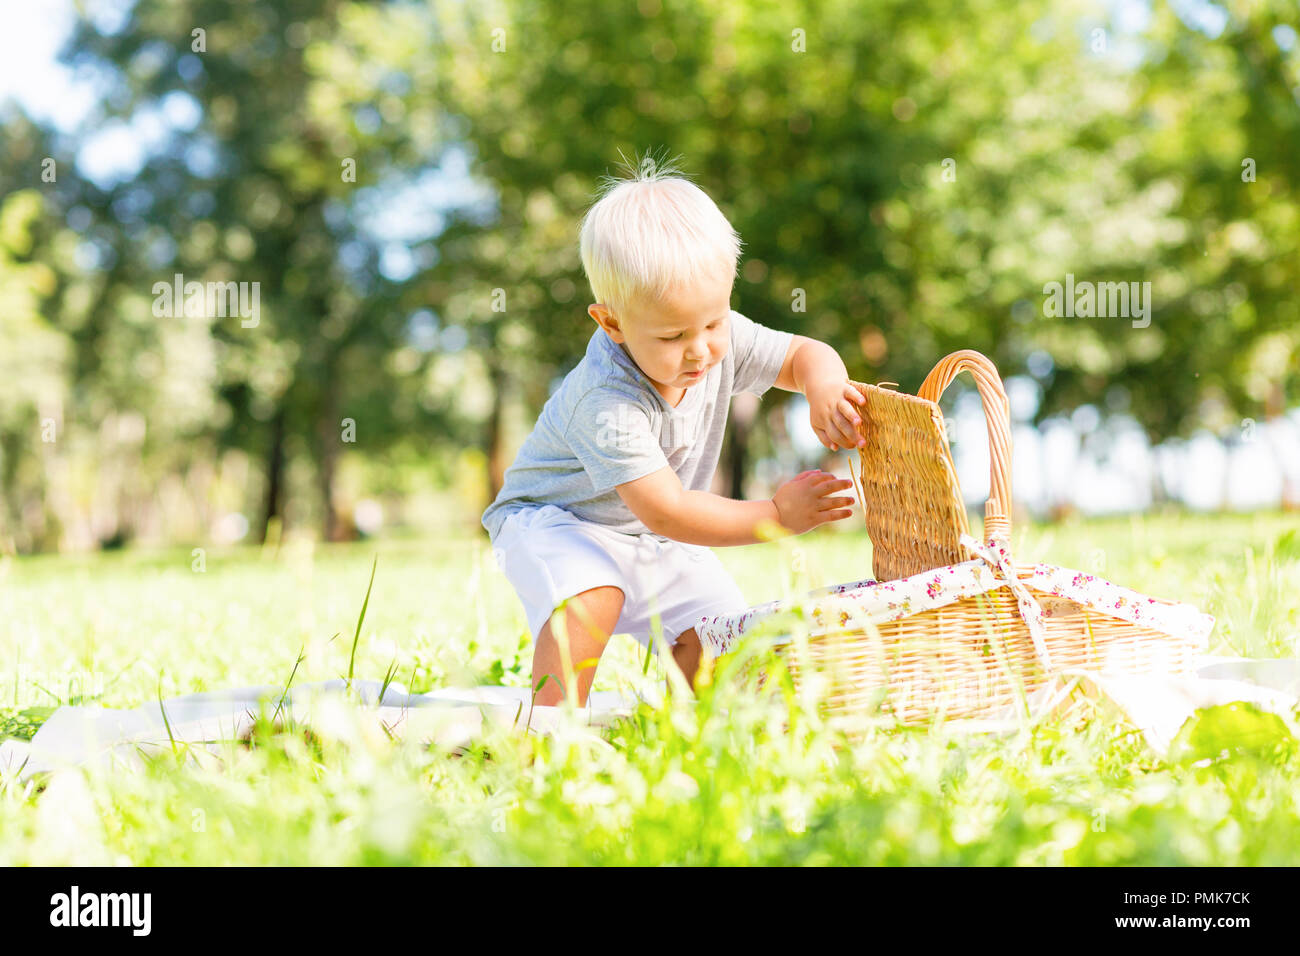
point(718, 780)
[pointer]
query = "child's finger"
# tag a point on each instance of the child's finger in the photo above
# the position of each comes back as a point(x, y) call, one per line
point(847, 436)
point(853, 419)
point(848, 411)
point(831, 488)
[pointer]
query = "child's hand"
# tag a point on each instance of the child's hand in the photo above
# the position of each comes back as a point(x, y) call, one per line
point(802, 503)
point(833, 415)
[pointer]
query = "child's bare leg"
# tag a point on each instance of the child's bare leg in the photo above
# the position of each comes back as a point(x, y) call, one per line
point(686, 655)
point(602, 606)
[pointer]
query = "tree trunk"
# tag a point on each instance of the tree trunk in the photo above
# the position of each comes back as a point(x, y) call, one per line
point(273, 506)
point(328, 437)
point(331, 529)
point(744, 410)
point(493, 441)
point(11, 530)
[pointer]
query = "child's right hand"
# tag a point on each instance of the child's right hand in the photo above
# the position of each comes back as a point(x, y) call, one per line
point(802, 503)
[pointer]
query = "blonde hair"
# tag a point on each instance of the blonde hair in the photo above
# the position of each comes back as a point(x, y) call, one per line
point(653, 232)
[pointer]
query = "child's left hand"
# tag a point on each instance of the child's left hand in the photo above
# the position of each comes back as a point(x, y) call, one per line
point(833, 414)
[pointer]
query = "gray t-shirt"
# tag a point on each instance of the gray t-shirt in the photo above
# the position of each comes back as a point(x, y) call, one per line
point(606, 425)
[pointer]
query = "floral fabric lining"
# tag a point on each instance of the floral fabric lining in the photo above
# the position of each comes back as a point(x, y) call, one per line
point(875, 602)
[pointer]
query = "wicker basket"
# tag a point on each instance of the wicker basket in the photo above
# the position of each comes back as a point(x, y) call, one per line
point(950, 626)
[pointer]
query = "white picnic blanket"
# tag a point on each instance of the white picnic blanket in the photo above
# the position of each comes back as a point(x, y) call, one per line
point(456, 717)
point(449, 717)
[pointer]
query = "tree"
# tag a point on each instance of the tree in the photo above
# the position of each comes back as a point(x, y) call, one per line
point(261, 189)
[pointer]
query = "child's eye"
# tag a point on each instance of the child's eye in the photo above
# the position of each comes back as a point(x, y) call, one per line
point(679, 335)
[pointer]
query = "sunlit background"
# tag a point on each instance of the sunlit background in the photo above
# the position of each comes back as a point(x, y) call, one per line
point(921, 170)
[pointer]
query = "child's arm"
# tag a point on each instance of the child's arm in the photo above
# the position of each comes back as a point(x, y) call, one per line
point(816, 370)
point(699, 517)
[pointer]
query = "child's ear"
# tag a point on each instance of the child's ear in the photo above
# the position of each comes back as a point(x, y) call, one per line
point(605, 319)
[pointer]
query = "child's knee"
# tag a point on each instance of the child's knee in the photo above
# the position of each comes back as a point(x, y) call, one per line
point(688, 639)
point(596, 610)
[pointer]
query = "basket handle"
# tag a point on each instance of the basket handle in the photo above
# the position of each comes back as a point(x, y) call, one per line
point(997, 414)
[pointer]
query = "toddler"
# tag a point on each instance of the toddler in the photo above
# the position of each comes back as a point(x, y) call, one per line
point(605, 515)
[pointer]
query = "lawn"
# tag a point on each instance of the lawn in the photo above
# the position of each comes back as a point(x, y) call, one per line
point(712, 781)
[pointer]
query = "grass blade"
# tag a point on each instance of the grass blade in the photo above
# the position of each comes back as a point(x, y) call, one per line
point(536, 690)
point(364, 604)
point(166, 723)
point(301, 658)
point(388, 679)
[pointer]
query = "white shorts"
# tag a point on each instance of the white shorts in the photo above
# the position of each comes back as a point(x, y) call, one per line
point(549, 554)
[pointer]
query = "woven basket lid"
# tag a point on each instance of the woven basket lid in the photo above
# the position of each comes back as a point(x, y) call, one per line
point(912, 501)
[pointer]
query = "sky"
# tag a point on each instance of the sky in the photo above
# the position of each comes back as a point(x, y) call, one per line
point(1053, 465)
point(29, 43)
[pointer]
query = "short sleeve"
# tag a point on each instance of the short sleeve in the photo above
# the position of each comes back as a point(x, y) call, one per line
point(611, 435)
point(760, 353)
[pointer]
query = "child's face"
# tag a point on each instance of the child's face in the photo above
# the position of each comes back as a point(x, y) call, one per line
point(688, 331)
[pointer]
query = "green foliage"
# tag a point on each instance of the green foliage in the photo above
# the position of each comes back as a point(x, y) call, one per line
point(22, 724)
point(1217, 733)
point(830, 159)
point(258, 191)
point(918, 172)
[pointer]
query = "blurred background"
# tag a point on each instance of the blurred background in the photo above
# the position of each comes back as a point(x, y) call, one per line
point(393, 193)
